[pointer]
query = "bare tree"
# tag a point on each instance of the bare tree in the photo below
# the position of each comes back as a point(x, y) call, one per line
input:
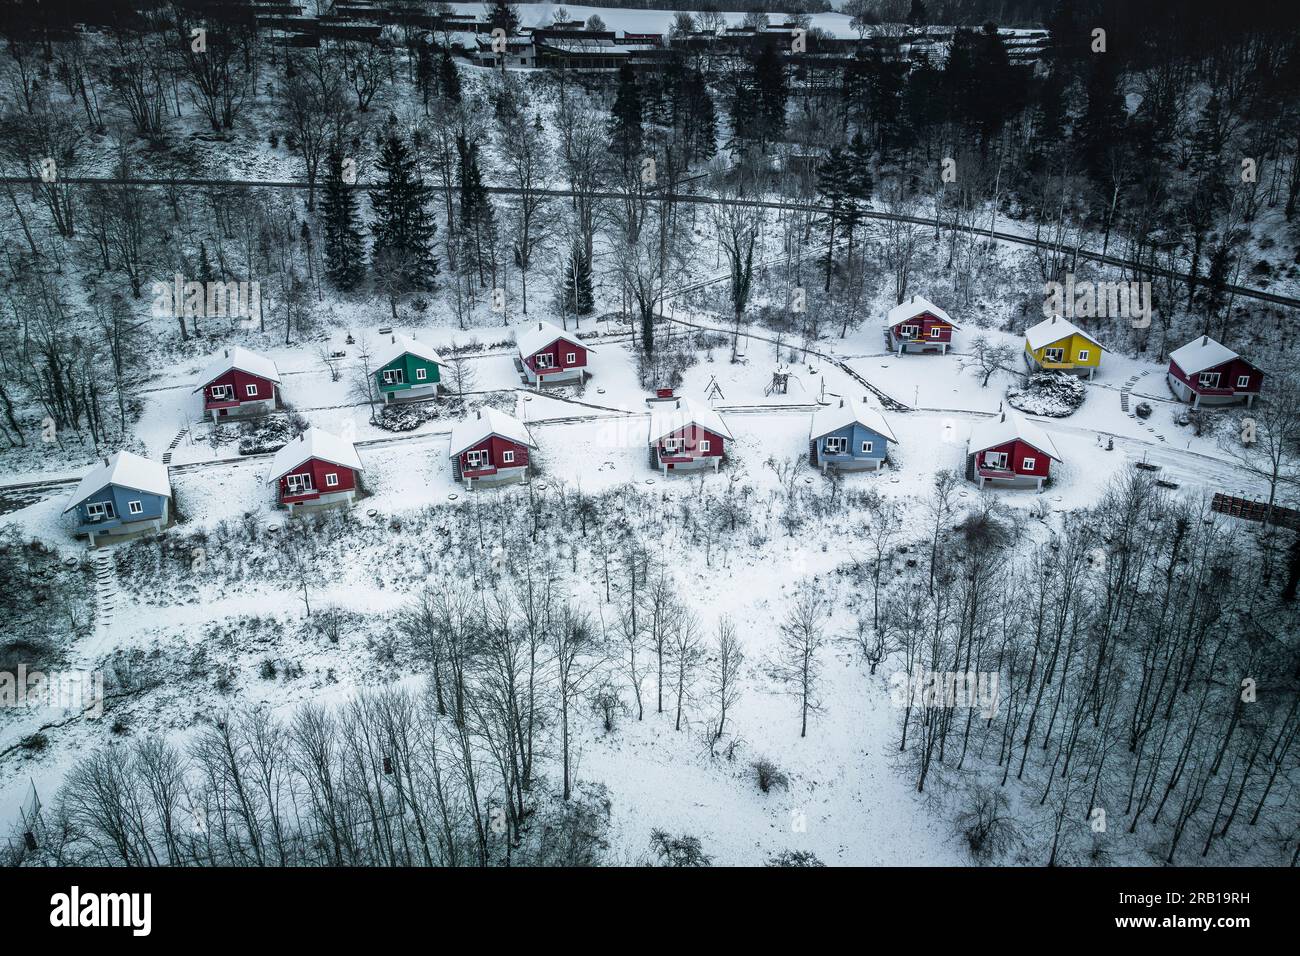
point(802, 640)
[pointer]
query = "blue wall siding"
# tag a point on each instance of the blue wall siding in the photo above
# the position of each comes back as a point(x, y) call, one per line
point(153, 507)
point(856, 434)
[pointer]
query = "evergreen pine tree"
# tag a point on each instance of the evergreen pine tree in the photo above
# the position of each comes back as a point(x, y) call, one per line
point(578, 297)
point(344, 243)
point(449, 77)
point(771, 92)
point(504, 15)
point(477, 217)
point(404, 228)
point(625, 125)
point(833, 188)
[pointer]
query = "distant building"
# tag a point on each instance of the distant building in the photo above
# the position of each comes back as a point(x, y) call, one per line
point(122, 496)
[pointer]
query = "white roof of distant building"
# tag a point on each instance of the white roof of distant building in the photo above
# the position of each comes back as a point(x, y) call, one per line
point(1008, 426)
point(246, 360)
point(399, 345)
point(671, 415)
point(914, 307)
point(1053, 330)
point(535, 336)
point(126, 471)
point(486, 421)
point(1201, 353)
point(313, 443)
point(846, 412)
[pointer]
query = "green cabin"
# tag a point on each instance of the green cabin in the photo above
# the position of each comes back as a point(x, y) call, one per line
point(407, 369)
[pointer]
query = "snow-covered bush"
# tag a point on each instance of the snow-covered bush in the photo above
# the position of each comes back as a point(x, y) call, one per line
point(1054, 394)
point(262, 436)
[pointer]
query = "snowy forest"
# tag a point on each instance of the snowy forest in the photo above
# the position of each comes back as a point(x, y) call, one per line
point(769, 662)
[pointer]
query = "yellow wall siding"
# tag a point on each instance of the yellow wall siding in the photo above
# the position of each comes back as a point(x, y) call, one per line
point(1072, 344)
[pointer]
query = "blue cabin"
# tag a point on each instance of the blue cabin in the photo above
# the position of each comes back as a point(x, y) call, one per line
point(849, 436)
point(123, 495)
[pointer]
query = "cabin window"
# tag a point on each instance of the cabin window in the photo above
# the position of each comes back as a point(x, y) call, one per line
point(1028, 463)
point(837, 446)
point(508, 457)
point(99, 510)
point(704, 446)
point(670, 445)
point(544, 360)
point(221, 392)
point(1209, 379)
point(1083, 355)
point(298, 484)
point(394, 376)
point(421, 374)
point(250, 391)
point(135, 507)
point(571, 358)
point(1054, 355)
point(936, 332)
point(477, 459)
point(331, 480)
point(1243, 381)
point(866, 447)
point(995, 459)
point(907, 331)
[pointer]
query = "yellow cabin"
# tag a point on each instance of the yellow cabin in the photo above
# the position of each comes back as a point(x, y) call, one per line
point(1058, 345)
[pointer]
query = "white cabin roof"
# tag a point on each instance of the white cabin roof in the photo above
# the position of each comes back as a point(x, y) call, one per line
point(399, 345)
point(486, 421)
point(246, 360)
point(1053, 330)
point(914, 307)
point(535, 336)
point(126, 471)
point(846, 412)
point(1008, 426)
point(313, 443)
point(670, 415)
point(1201, 353)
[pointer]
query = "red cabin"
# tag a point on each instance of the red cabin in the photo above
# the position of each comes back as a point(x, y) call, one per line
point(316, 468)
point(547, 353)
point(490, 446)
point(1010, 451)
point(686, 435)
point(1204, 372)
point(918, 325)
point(239, 382)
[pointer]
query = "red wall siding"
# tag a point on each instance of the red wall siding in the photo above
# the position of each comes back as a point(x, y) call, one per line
point(496, 445)
point(239, 380)
point(692, 434)
point(926, 321)
point(1228, 373)
point(1017, 451)
point(318, 469)
point(558, 350)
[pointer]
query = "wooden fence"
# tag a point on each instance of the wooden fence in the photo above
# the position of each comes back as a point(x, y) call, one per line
point(1249, 509)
